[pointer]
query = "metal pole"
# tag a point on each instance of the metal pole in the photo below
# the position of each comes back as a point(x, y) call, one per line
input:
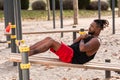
point(25, 71)
point(9, 18)
point(107, 73)
point(53, 8)
point(99, 9)
point(6, 17)
point(25, 65)
point(17, 16)
point(74, 33)
point(113, 15)
point(9, 15)
point(61, 14)
point(17, 12)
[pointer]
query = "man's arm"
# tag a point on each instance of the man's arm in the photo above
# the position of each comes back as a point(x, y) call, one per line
point(90, 46)
point(77, 39)
point(80, 37)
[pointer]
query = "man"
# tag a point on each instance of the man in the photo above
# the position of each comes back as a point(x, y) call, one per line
point(81, 51)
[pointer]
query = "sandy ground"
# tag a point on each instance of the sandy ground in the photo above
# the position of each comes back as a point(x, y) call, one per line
point(110, 49)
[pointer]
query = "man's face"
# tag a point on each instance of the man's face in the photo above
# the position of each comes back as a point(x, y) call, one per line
point(92, 28)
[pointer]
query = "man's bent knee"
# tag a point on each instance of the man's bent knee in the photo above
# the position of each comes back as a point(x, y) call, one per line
point(48, 38)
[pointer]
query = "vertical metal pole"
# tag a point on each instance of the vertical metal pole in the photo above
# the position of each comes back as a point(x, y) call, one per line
point(17, 16)
point(17, 12)
point(61, 14)
point(20, 72)
point(99, 9)
point(25, 62)
point(13, 45)
point(107, 73)
point(8, 14)
point(6, 17)
point(113, 15)
point(9, 18)
point(74, 33)
point(25, 71)
point(53, 8)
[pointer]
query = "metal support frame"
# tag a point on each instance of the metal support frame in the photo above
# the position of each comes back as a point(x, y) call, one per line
point(107, 73)
point(74, 34)
point(53, 8)
point(99, 9)
point(25, 65)
point(17, 17)
point(61, 14)
point(9, 18)
point(113, 15)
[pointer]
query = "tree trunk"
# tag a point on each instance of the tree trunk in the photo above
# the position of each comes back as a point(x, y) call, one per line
point(75, 7)
point(48, 9)
point(118, 8)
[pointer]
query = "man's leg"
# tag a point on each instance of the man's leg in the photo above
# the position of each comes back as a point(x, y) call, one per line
point(44, 45)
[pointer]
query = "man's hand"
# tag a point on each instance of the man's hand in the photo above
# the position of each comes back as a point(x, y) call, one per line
point(83, 36)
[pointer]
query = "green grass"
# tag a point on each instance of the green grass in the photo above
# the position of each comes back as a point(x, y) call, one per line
point(42, 15)
point(1, 15)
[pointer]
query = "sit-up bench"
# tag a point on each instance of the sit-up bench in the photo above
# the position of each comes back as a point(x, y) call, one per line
point(56, 62)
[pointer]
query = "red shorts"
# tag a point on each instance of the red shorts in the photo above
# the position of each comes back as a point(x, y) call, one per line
point(65, 53)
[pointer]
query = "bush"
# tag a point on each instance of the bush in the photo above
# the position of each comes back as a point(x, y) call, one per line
point(82, 4)
point(24, 4)
point(38, 5)
point(94, 5)
point(57, 4)
point(68, 4)
point(1, 4)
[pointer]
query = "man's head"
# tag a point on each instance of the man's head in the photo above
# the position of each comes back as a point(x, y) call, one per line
point(97, 25)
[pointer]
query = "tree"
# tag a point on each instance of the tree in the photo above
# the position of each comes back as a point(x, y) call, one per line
point(48, 8)
point(24, 4)
point(118, 8)
point(75, 7)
